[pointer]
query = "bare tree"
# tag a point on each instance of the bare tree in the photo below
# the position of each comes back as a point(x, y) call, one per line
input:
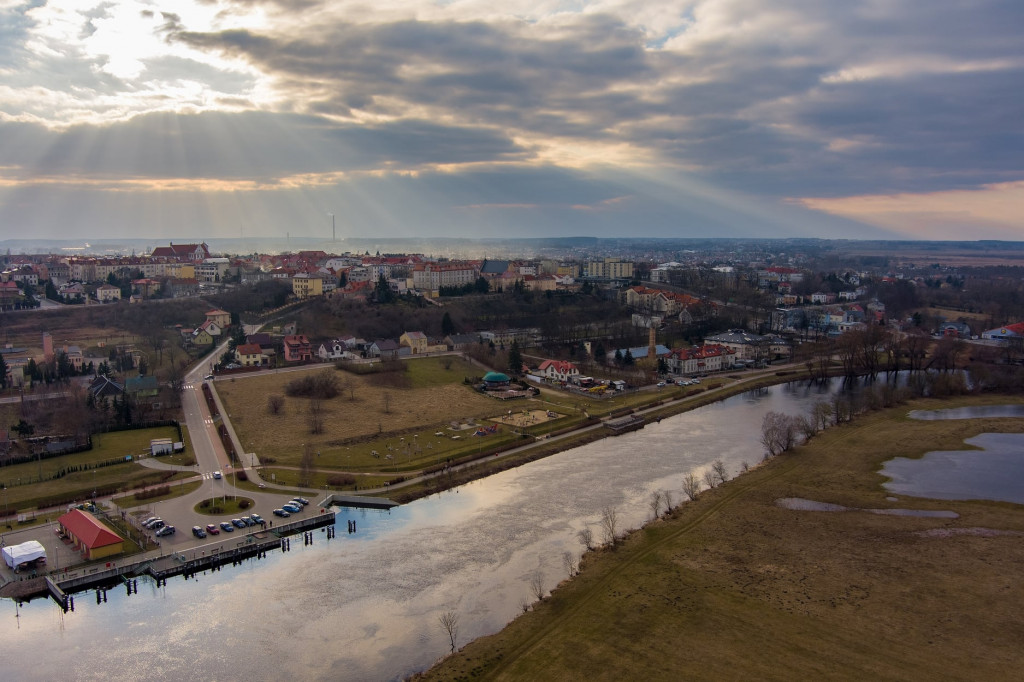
point(655, 504)
point(709, 479)
point(667, 496)
point(744, 467)
point(306, 466)
point(524, 604)
point(691, 486)
point(778, 433)
point(807, 426)
point(316, 415)
point(275, 403)
point(822, 414)
point(718, 466)
point(586, 537)
point(569, 561)
point(537, 585)
point(609, 522)
point(386, 399)
point(450, 622)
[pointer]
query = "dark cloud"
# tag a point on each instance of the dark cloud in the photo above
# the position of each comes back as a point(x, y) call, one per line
point(251, 145)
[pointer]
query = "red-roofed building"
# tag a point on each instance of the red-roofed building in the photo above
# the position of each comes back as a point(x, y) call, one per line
point(182, 253)
point(297, 348)
point(558, 370)
point(250, 355)
point(90, 535)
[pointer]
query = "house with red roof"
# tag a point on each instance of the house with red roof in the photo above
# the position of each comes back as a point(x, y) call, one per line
point(250, 355)
point(182, 253)
point(89, 535)
point(558, 370)
point(221, 317)
point(297, 348)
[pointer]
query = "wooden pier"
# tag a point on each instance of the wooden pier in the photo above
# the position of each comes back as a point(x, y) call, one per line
point(227, 550)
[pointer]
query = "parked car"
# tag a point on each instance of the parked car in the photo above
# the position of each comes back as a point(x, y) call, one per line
point(227, 527)
point(198, 531)
point(166, 530)
point(156, 525)
point(151, 519)
point(257, 518)
point(292, 508)
point(661, 384)
point(281, 512)
point(212, 529)
point(238, 523)
point(302, 500)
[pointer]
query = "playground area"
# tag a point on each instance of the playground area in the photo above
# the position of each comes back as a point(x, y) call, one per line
point(523, 418)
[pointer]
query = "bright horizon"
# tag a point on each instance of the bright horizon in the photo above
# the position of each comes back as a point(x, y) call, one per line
point(616, 118)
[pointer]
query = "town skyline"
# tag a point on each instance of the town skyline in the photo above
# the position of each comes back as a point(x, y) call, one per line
point(695, 118)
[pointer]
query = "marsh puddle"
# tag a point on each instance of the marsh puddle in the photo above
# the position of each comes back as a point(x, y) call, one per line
point(993, 472)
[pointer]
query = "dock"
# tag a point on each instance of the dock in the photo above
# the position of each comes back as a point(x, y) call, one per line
point(195, 559)
point(623, 424)
point(359, 502)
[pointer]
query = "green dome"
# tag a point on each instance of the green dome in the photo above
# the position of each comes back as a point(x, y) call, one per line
point(496, 377)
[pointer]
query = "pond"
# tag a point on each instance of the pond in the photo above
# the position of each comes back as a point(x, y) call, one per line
point(366, 605)
point(995, 471)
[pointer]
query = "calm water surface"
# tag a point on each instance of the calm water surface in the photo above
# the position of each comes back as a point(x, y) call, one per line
point(366, 606)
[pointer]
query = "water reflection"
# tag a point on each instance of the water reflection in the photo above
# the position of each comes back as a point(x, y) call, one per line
point(366, 605)
point(974, 412)
point(995, 472)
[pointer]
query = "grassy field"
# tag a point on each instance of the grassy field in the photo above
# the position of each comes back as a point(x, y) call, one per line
point(17, 478)
point(734, 587)
point(407, 422)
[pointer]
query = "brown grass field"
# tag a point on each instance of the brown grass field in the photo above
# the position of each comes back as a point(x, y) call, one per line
point(734, 587)
point(348, 423)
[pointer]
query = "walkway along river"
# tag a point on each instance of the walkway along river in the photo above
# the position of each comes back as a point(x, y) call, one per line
point(365, 605)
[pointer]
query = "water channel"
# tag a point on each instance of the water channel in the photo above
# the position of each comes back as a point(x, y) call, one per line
point(365, 606)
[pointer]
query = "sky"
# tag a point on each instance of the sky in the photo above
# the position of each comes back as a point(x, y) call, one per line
point(180, 119)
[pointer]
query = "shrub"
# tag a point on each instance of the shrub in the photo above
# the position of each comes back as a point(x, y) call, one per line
point(243, 504)
point(341, 480)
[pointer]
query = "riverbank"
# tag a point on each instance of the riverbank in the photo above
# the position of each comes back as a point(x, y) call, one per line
point(734, 586)
point(489, 463)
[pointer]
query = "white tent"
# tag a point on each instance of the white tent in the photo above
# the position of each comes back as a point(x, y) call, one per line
point(15, 555)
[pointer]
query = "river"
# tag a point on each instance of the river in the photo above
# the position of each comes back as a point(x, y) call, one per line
point(365, 606)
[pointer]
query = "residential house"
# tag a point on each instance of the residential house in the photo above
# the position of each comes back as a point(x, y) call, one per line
point(305, 285)
point(383, 348)
point(461, 341)
point(416, 342)
point(557, 370)
point(250, 355)
point(108, 293)
point(142, 387)
point(334, 350)
point(198, 337)
point(75, 357)
point(221, 318)
point(211, 328)
point(105, 387)
point(959, 330)
point(181, 253)
point(297, 348)
point(266, 343)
